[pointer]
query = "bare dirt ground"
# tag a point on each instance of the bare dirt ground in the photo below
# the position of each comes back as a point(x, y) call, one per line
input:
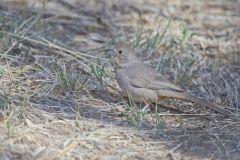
point(59, 98)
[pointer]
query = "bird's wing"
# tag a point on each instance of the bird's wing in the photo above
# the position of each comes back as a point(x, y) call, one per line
point(163, 81)
point(151, 79)
point(155, 84)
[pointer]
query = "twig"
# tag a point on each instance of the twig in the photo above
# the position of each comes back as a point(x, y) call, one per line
point(51, 45)
point(183, 114)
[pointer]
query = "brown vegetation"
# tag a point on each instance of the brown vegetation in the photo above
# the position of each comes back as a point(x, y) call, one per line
point(58, 94)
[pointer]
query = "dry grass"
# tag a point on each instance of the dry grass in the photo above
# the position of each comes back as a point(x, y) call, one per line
point(59, 98)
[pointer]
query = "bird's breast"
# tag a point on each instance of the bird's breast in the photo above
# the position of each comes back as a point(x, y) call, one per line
point(122, 79)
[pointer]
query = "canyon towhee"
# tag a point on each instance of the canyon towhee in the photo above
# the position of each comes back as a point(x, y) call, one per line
point(145, 84)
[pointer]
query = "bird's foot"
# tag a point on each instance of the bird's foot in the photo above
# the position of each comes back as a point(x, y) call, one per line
point(146, 106)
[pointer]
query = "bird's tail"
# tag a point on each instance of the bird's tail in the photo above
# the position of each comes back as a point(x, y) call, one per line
point(207, 104)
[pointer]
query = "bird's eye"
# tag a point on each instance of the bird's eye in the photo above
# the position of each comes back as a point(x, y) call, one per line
point(120, 51)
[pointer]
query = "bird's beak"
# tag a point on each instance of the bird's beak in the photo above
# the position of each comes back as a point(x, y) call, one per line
point(110, 51)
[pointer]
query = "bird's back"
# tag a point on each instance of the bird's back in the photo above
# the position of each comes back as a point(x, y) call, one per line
point(138, 76)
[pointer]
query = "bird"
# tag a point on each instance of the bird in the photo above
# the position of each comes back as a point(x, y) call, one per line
point(146, 84)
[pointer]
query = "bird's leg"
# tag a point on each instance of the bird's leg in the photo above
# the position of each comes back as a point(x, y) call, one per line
point(145, 107)
point(156, 107)
point(147, 104)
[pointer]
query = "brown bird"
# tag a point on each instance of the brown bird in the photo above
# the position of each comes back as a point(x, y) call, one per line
point(145, 84)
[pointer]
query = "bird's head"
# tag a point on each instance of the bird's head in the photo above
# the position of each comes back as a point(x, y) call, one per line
point(123, 55)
